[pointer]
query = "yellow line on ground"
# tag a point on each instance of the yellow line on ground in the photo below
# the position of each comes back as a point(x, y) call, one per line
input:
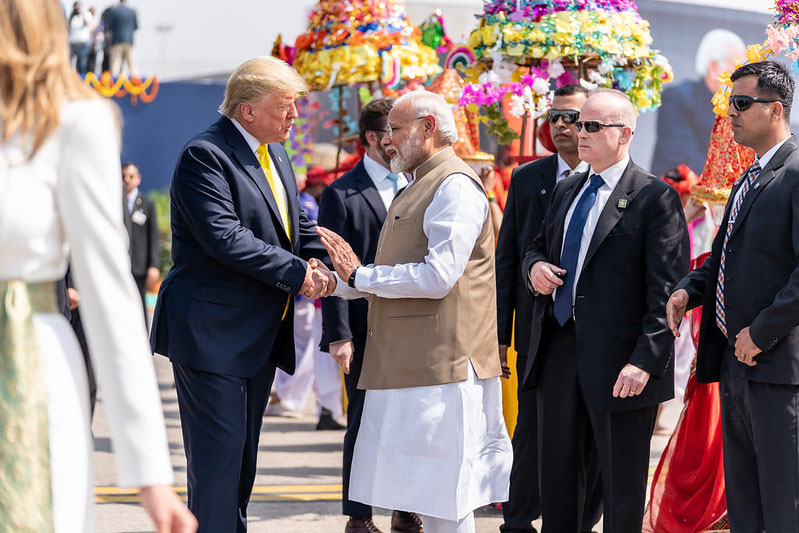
point(260, 493)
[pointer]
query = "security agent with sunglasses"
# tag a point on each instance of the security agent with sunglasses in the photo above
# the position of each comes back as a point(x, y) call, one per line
point(749, 292)
point(612, 247)
point(529, 195)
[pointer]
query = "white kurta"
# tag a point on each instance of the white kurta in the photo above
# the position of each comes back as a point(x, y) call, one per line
point(67, 202)
point(440, 450)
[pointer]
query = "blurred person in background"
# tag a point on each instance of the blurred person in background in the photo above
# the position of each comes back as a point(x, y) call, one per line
point(80, 24)
point(59, 162)
point(685, 118)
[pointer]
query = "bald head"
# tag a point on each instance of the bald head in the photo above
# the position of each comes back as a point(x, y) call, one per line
point(611, 143)
point(617, 104)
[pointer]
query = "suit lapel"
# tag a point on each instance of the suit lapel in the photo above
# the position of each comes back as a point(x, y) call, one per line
point(548, 182)
point(563, 208)
point(766, 175)
point(611, 213)
point(286, 176)
point(248, 161)
point(369, 192)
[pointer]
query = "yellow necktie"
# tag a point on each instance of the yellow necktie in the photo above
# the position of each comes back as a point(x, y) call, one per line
point(280, 199)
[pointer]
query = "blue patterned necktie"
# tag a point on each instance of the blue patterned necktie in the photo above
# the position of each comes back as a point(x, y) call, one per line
point(394, 178)
point(751, 177)
point(571, 249)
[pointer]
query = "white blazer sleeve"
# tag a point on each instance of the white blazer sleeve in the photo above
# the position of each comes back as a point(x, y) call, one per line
point(90, 203)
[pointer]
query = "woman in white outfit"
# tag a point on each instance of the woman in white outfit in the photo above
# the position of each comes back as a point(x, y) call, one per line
point(60, 196)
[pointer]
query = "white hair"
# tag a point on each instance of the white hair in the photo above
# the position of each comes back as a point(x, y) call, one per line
point(423, 103)
point(717, 45)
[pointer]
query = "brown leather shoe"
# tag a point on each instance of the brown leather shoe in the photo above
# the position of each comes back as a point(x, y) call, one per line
point(361, 525)
point(404, 522)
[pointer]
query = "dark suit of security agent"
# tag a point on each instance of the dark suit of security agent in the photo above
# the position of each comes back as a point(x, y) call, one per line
point(220, 313)
point(600, 349)
point(757, 361)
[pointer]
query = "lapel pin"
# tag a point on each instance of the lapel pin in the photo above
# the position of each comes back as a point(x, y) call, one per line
point(622, 203)
point(757, 184)
point(543, 191)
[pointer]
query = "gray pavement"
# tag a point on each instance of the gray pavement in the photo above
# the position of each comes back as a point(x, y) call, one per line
point(298, 484)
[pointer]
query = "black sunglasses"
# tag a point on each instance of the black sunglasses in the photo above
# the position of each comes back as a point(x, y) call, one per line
point(569, 116)
point(742, 102)
point(593, 126)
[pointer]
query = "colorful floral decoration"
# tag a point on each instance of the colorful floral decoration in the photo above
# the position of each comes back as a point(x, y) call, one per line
point(434, 33)
point(347, 41)
point(300, 140)
point(106, 86)
point(782, 36)
point(522, 47)
point(726, 161)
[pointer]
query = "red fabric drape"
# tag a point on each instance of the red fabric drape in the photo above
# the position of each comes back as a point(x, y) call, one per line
point(687, 493)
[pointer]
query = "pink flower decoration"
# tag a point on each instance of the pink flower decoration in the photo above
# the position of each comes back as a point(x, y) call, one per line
point(775, 40)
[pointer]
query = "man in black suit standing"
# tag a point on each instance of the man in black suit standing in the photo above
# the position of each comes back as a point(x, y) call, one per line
point(141, 221)
point(529, 194)
point(600, 348)
point(355, 206)
point(242, 249)
point(749, 291)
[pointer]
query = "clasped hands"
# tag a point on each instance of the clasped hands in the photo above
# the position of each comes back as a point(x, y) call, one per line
point(341, 255)
point(676, 307)
point(319, 281)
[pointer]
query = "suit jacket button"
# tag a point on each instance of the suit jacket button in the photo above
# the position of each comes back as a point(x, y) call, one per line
point(370, 333)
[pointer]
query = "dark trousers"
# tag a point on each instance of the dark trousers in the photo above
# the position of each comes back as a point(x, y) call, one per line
point(567, 426)
point(221, 418)
point(355, 399)
point(524, 503)
point(142, 286)
point(760, 431)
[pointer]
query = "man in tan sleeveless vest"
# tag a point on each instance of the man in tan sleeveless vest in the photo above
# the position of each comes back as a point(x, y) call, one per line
point(432, 438)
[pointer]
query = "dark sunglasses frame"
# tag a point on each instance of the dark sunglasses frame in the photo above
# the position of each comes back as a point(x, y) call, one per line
point(593, 126)
point(569, 116)
point(742, 102)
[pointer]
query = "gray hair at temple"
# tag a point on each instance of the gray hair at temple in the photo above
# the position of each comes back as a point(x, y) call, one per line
point(425, 103)
point(717, 45)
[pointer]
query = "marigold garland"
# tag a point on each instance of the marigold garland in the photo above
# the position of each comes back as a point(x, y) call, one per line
point(123, 86)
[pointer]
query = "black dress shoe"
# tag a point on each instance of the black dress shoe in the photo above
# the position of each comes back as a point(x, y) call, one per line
point(326, 421)
point(361, 525)
point(404, 522)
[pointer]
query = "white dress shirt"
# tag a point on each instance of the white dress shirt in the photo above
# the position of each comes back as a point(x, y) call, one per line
point(379, 176)
point(611, 177)
point(763, 161)
point(564, 168)
point(452, 224)
point(131, 198)
point(254, 143)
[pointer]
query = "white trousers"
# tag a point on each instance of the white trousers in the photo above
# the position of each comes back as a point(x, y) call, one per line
point(439, 525)
point(69, 422)
point(314, 368)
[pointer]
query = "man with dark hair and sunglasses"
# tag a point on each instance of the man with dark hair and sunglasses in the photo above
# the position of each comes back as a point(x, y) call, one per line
point(611, 248)
point(529, 197)
point(749, 292)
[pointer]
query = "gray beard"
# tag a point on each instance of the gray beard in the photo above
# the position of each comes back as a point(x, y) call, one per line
point(403, 162)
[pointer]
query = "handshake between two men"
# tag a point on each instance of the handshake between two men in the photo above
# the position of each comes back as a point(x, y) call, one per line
point(319, 281)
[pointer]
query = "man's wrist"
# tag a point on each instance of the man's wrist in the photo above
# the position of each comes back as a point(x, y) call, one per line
point(351, 279)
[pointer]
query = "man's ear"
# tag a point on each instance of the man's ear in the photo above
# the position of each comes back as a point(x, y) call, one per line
point(779, 110)
point(245, 112)
point(429, 125)
point(372, 138)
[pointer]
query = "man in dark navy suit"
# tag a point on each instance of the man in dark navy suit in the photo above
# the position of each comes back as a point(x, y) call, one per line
point(355, 206)
point(224, 314)
point(529, 195)
point(749, 292)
